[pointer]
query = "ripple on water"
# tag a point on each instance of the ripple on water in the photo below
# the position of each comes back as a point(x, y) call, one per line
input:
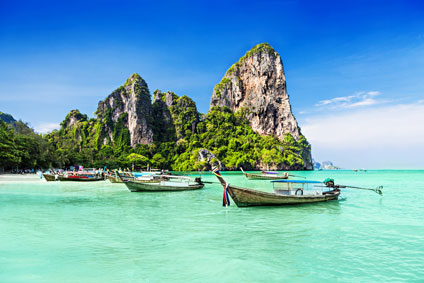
point(102, 232)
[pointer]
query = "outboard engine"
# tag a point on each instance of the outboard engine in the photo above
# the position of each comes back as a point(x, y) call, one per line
point(198, 180)
point(329, 182)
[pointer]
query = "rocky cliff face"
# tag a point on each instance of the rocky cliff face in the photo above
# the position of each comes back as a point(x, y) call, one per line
point(250, 102)
point(73, 118)
point(163, 122)
point(257, 85)
point(175, 117)
point(205, 155)
point(130, 107)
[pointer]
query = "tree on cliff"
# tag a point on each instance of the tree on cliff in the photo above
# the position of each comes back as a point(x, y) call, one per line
point(249, 124)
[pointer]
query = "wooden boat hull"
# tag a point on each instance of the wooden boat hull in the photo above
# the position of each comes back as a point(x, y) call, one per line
point(49, 177)
point(251, 176)
point(153, 186)
point(246, 197)
point(114, 179)
point(94, 179)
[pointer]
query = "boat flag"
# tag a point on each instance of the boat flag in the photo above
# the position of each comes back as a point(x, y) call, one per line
point(226, 199)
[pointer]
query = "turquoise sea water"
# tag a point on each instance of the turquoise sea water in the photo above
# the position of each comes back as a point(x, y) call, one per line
point(100, 232)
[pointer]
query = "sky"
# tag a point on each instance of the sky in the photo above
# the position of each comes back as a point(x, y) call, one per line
point(354, 69)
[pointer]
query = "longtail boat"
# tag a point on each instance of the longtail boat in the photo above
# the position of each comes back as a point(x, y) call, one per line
point(52, 175)
point(125, 176)
point(81, 177)
point(265, 175)
point(114, 178)
point(164, 183)
point(150, 173)
point(292, 192)
point(49, 177)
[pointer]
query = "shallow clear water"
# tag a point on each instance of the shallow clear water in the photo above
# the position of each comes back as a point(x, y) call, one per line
point(52, 231)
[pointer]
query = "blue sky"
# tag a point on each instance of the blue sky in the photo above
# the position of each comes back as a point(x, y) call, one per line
point(344, 60)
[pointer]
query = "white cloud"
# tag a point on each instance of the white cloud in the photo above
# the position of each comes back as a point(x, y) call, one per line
point(373, 93)
point(358, 99)
point(364, 102)
point(46, 127)
point(381, 137)
point(335, 100)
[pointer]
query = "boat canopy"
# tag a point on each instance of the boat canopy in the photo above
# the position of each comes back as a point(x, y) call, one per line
point(296, 181)
point(270, 172)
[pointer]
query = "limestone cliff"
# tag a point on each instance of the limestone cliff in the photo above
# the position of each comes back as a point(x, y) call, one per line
point(250, 124)
point(256, 85)
point(175, 117)
point(128, 107)
point(73, 118)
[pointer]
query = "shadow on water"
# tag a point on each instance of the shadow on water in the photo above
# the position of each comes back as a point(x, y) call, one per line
point(329, 207)
point(75, 200)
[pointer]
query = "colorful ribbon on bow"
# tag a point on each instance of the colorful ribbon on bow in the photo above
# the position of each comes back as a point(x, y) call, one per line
point(226, 199)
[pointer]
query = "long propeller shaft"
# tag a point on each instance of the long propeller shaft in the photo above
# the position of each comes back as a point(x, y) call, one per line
point(378, 190)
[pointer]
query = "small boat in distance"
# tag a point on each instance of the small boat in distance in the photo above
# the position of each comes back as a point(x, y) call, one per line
point(52, 175)
point(49, 177)
point(81, 176)
point(265, 175)
point(287, 192)
point(114, 178)
point(84, 176)
point(150, 173)
point(163, 183)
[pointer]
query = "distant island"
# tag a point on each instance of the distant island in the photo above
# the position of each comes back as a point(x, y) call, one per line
point(325, 165)
point(249, 124)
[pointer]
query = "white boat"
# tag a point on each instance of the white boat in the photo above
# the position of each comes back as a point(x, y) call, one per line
point(164, 183)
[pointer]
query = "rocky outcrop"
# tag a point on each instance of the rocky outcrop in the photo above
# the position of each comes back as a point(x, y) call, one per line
point(256, 85)
point(163, 122)
point(174, 115)
point(205, 155)
point(130, 107)
point(72, 119)
point(168, 98)
point(249, 103)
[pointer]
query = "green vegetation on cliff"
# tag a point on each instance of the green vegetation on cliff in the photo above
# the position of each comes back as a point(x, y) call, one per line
point(226, 134)
point(180, 133)
point(225, 82)
point(258, 49)
point(230, 138)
